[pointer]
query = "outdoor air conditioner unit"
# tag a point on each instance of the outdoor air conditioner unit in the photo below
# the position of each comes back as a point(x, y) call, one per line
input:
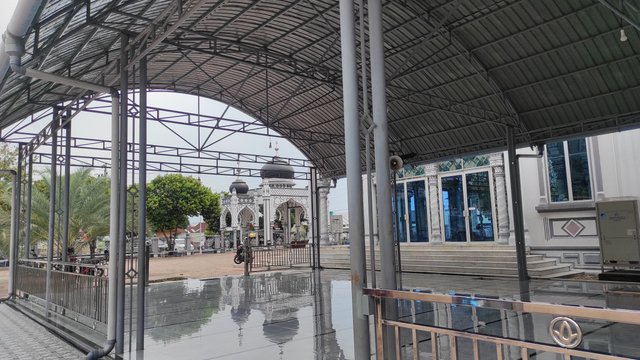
point(618, 229)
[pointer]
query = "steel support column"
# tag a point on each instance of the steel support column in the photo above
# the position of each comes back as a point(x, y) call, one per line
point(381, 141)
point(122, 216)
point(12, 238)
point(52, 209)
point(15, 224)
point(142, 208)
point(65, 190)
point(114, 218)
point(372, 242)
point(312, 218)
point(27, 234)
point(362, 349)
point(317, 221)
point(383, 181)
point(516, 205)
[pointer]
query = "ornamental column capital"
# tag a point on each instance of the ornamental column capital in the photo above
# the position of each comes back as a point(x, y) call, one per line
point(496, 159)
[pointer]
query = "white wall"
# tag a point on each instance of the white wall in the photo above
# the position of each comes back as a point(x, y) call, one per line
point(614, 165)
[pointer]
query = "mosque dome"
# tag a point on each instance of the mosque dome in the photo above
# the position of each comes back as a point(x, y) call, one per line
point(283, 327)
point(239, 186)
point(276, 169)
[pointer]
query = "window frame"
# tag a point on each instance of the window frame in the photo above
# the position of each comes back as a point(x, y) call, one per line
point(567, 164)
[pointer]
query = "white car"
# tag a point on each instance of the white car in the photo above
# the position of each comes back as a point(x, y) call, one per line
point(179, 245)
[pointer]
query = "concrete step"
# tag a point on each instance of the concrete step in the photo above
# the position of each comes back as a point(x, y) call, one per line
point(471, 260)
point(453, 269)
point(473, 263)
point(449, 269)
point(436, 257)
point(558, 275)
point(549, 271)
point(537, 264)
point(439, 251)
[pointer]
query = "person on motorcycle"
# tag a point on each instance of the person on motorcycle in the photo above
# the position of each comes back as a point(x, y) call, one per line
point(239, 258)
point(240, 252)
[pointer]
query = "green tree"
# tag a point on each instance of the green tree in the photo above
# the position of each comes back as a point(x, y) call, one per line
point(172, 198)
point(88, 210)
point(211, 211)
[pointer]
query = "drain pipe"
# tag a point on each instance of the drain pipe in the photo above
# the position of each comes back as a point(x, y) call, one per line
point(13, 47)
point(18, 26)
point(372, 245)
point(16, 66)
point(15, 51)
point(113, 234)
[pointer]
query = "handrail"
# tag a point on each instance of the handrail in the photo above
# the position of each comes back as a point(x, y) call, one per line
point(578, 311)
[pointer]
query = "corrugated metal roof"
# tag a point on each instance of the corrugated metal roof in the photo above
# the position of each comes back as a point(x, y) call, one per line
point(555, 68)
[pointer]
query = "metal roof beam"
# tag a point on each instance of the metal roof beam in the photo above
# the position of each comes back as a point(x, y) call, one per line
point(572, 73)
point(527, 58)
point(535, 27)
point(93, 144)
point(460, 108)
point(479, 68)
point(589, 98)
point(448, 32)
point(281, 64)
point(151, 43)
point(46, 132)
point(434, 30)
point(188, 38)
point(620, 13)
point(471, 18)
point(224, 124)
point(104, 162)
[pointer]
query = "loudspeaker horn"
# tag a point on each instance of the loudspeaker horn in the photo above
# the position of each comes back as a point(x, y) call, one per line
point(395, 162)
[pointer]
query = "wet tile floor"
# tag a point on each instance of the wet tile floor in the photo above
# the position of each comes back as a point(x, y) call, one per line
point(307, 315)
point(266, 316)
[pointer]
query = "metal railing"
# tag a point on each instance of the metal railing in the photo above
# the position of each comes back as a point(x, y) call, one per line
point(76, 287)
point(80, 287)
point(441, 326)
point(277, 256)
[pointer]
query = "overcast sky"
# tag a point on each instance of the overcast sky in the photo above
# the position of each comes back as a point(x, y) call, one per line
point(92, 125)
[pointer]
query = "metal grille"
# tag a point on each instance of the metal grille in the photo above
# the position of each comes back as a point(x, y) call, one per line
point(458, 336)
point(268, 257)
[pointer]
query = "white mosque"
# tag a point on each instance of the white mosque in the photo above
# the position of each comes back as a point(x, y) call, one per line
point(277, 211)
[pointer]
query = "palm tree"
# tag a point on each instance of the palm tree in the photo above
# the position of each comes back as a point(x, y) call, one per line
point(5, 218)
point(88, 210)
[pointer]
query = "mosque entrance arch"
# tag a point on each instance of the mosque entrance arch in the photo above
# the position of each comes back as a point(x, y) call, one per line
point(294, 226)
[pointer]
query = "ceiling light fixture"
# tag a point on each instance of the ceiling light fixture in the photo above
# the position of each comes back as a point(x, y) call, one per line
point(623, 36)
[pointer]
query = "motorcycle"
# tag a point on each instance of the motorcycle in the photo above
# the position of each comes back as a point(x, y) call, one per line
point(239, 258)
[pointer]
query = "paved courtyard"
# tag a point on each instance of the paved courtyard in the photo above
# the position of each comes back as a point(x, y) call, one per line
point(4, 282)
point(23, 339)
point(196, 266)
point(305, 314)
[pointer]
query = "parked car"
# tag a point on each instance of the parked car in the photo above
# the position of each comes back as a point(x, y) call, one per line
point(180, 245)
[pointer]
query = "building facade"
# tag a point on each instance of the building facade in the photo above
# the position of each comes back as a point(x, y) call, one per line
point(467, 200)
point(277, 211)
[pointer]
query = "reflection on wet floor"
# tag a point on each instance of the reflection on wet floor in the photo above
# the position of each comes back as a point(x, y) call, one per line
point(307, 315)
point(266, 316)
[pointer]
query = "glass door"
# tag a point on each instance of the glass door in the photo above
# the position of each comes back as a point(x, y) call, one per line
point(453, 209)
point(478, 191)
point(399, 225)
point(417, 211)
point(467, 207)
